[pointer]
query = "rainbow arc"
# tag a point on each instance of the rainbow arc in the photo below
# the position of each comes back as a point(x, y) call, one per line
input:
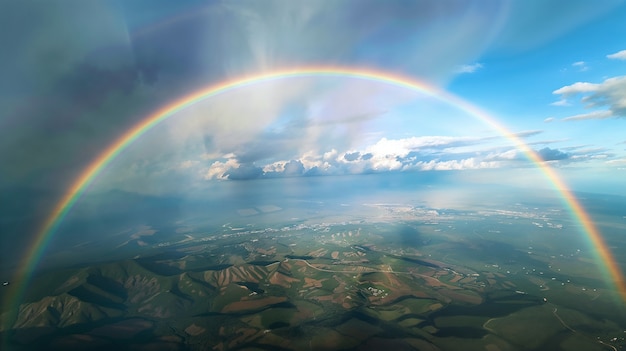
point(61, 209)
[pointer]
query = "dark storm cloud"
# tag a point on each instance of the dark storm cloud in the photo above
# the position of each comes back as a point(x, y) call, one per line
point(548, 154)
point(90, 85)
point(76, 74)
point(65, 86)
point(89, 70)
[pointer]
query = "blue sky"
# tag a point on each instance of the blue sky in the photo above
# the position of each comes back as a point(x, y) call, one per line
point(79, 75)
point(538, 88)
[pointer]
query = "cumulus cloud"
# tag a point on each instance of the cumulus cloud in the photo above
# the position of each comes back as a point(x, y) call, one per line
point(620, 55)
point(425, 153)
point(610, 94)
point(219, 169)
point(469, 68)
point(293, 168)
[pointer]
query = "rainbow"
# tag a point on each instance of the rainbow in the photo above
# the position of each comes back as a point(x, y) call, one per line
point(45, 233)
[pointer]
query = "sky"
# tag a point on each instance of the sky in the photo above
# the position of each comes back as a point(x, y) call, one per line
point(77, 74)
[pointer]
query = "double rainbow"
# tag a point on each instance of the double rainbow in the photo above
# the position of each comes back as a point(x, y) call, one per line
point(43, 236)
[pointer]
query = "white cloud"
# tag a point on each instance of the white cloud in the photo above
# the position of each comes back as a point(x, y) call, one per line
point(581, 65)
point(506, 155)
point(401, 147)
point(218, 169)
point(332, 154)
point(310, 160)
point(528, 133)
point(277, 167)
point(562, 102)
point(599, 156)
point(387, 153)
point(617, 162)
point(469, 68)
point(610, 93)
point(577, 88)
point(424, 153)
point(549, 119)
point(469, 163)
point(620, 55)
point(546, 142)
point(590, 115)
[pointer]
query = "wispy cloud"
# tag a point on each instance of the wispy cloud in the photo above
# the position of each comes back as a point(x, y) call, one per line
point(548, 120)
point(545, 142)
point(590, 115)
point(528, 133)
point(464, 164)
point(576, 88)
point(617, 162)
point(620, 55)
point(580, 65)
point(562, 102)
point(469, 68)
